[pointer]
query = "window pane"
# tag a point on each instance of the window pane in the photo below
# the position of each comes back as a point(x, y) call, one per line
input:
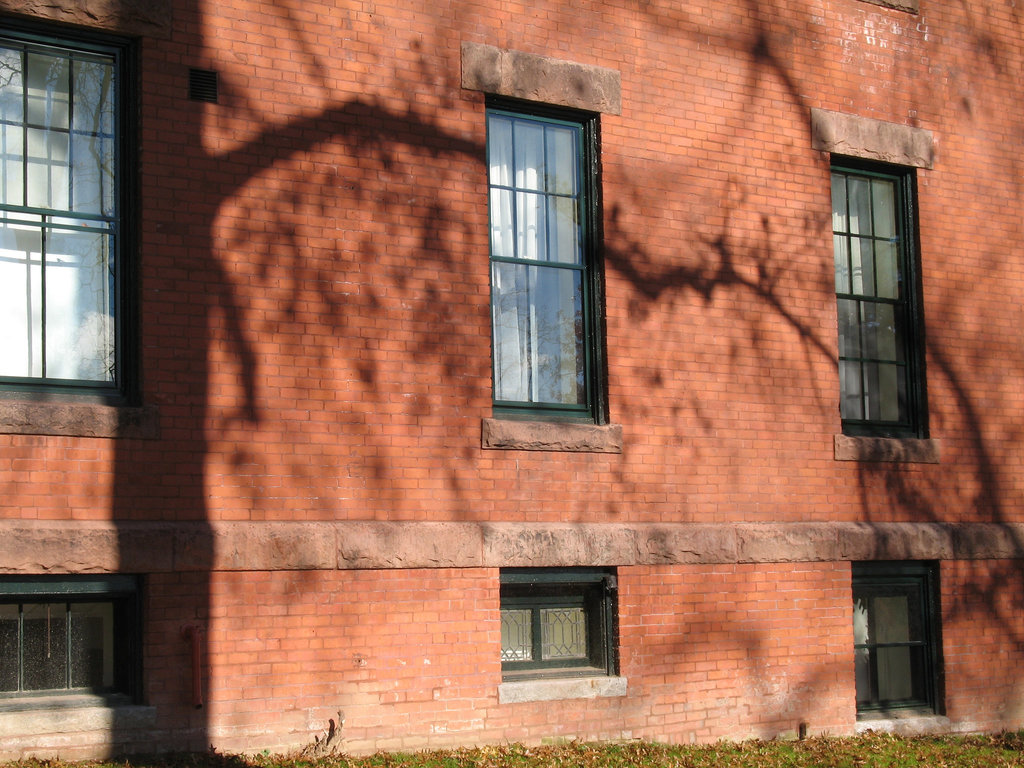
point(863, 266)
point(839, 218)
point(887, 274)
point(531, 227)
point(501, 224)
point(499, 150)
point(891, 619)
point(516, 635)
point(79, 307)
point(21, 300)
point(94, 96)
point(44, 628)
point(92, 172)
point(894, 674)
point(851, 403)
point(561, 160)
point(11, 132)
point(849, 328)
point(529, 155)
point(92, 645)
point(47, 169)
point(48, 99)
point(841, 256)
point(563, 633)
point(860, 205)
point(8, 647)
point(565, 231)
point(884, 391)
point(879, 332)
point(13, 159)
point(92, 143)
point(883, 198)
point(862, 677)
point(11, 85)
point(538, 344)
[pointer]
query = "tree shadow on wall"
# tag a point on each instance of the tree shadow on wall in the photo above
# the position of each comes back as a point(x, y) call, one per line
point(238, 248)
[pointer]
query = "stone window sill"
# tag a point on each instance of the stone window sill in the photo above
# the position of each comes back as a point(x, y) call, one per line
point(886, 449)
point(19, 417)
point(519, 691)
point(910, 6)
point(912, 722)
point(71, 714)
point(509, 434)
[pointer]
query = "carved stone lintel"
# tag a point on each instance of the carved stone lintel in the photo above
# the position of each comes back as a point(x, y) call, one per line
point(872, 139)
point(540, 78)
point(126, 17)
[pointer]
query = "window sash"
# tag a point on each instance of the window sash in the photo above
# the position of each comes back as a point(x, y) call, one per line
point(895, 636)
point(874, 283)
point(69, 635)
point(557, 621)
point(541, 296)
point(60, 212)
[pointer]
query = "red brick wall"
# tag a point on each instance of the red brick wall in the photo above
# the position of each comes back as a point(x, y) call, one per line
point(314, 294)
point(314, 331)
point(404, 659)
point(983, 637)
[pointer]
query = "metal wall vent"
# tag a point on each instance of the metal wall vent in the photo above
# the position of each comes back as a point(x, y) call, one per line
point(202, 85)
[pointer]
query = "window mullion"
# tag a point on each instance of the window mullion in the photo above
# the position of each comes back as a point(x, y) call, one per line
point(535, 635)
point(67, 646)
point(44, 246)
point(21, 647)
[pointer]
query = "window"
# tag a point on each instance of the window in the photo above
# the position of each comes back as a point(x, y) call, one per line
point(75, 635)
point(895, 630)
point(880, 356)
point(543, 276)
point(557, 622)
point(62, 272)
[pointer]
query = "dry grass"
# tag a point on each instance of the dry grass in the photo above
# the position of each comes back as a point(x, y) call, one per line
point(873, 751)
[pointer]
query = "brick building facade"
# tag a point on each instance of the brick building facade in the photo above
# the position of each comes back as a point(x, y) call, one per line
point(400, 375)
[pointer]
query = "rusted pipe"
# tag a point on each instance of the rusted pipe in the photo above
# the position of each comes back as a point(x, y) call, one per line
point(194, 635)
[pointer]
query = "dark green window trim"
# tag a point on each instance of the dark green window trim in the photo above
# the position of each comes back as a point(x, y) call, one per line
point(70, 635)
point(535, 375)
point(50, 221)
point(896, 636)
point(877, 275)
point(537, 604)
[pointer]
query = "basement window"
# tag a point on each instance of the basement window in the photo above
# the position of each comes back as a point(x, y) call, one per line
point(73, 635)
point(895, 629)
point(557, 622)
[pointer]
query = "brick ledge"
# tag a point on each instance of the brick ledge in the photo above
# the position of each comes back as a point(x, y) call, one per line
point(37, 546)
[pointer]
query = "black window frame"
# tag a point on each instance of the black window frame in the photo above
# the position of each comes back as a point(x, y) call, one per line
point(123, 592)
point(593, 589)
point(125, 387)
point(919, 583)
point(594, 408)
point(912, 401)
